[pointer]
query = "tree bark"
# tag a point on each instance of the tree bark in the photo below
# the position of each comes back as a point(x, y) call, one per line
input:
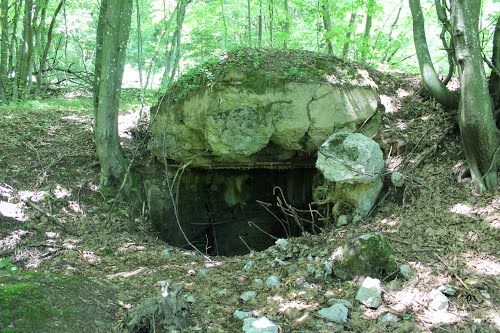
point(287, 23)
point(50, 32)
point(429, 77)
point(112, 37)
point(494, 84)
point(350, 29)
point(370, 7)
point(249, 23)
point(4, 50)
point(327, 25)
point(480, 135)
point(26, 50)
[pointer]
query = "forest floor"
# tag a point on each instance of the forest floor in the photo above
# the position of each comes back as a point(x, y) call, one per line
point(54, 221)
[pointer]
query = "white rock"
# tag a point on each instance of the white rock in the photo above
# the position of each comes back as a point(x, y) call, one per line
point(248, 295)
point(439, 301)
point(370, 293)
point(259, 325)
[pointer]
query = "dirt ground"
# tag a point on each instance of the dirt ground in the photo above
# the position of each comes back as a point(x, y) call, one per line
point(54, 220)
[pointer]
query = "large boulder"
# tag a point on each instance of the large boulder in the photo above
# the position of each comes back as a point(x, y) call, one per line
point(261, 109)
point(354, 163)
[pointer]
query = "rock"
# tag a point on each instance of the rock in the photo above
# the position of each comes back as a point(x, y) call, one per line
point(406, 271)
point(202, 272)
point(366, 255)
point(336, 313)
point(273, 281)
point(166, 254)
point(248, 295)
point(242, 314)
point(282, 243)
point(235, 114)
point(388, 317)
point(439, 302)
point(355, 164)
point(248, 266)
point(370, 293)
point(343, 220)
point(259, 325)
point(344, 302)
point(397, 179)
point(447, 290)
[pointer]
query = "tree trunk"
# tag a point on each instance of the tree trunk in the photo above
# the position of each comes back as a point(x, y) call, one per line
point(350, 29)
point(112, 37)
point(327, 24)
point(494, 83)
point(261, 22)
point(370, 7)
point(4, 50)
point(287, 23)
point(25, 51)
point(249, 18)
point(480, 135)
point(429, 77)
point(271, 23)
point(43, 59)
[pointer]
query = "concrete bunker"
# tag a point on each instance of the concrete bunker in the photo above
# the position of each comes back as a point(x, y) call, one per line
point(242, 127)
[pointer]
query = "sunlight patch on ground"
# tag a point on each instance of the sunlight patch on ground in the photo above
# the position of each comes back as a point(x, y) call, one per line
point(390, 104)
point(77, 119)
point(125, 122)
point(494, 316)
point(15, 211)
point(484, 265)
point(462, 209)
point(61, 192)
point(11, 240)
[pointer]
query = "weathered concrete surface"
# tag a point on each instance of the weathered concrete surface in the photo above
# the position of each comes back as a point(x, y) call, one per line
point(262, 111)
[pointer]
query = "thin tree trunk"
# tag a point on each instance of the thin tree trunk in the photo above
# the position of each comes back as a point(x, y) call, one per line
point(327, 25)
point(26, 49)
point(287, 23)
point(249, 19)
point(429, 76)
point(261, 21)
point(350, 29)
point(389, 35)
point(271, 23)
point(50, 32)
point(14, 52)
point(480, 136)
point(114, 26)
point(368, 27)
point(4, 50)
point(224, 23)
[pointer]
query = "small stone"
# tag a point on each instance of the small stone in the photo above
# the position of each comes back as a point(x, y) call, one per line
point(166, 254)
point(447, 290)
point(343, 220)
point(406, 271)
point(278, 262)
point(344, 302)
point(485, 294)
point(336, 313)
point(273, 281)
point(282, 243)
point(439, 301)
point(191, 272)
point(190, 299)
point(370, 293)
point(242, 314)
point(248, 266)
point(203, 272)
point(222, 292)
point(248, 295)
point(397, 179)
point(258, 284)
point(388, 317)
point(259, 325)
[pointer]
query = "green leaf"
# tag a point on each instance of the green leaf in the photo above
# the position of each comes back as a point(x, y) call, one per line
point(4, 262)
